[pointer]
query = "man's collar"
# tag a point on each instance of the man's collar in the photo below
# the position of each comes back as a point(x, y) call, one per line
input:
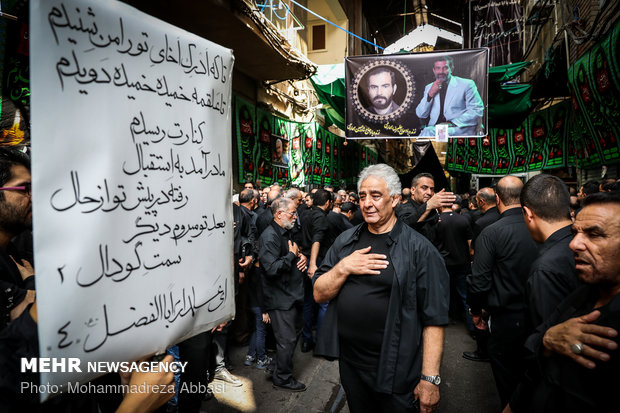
point(512, 211)
point(559, 235)
point(280, 229)
point(393, 234)
point(325, 211)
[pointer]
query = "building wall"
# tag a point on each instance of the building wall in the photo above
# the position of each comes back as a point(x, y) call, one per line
point(335, 39)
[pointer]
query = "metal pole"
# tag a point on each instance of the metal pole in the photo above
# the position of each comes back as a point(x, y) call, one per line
point(469, 40)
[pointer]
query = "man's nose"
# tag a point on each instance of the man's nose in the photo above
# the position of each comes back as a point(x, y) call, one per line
point(577, 243)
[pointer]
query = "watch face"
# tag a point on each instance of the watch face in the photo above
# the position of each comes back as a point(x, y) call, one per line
point(437, 380)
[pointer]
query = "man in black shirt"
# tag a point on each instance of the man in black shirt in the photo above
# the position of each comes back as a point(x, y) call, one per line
point(487, 203)
point(546, 209)
point(265, 218)
point(488, 207)
point(358, 218)
point(576, 365)
point(472, 213)
point(338, 222)
point(314, 228)
point(389, 302)
point(504, 252)
point(283, 291)
point(454, 234)
point(420, 213)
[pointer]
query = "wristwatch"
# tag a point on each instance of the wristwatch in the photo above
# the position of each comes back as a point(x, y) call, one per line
point(431, 379)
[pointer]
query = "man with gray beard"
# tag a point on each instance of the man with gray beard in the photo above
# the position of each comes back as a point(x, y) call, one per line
point(282, 267)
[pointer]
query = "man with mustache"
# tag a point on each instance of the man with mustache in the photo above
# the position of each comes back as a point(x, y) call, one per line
point(450, 100)
point(387, 288)
point(381, 89)
point(576, 362)
point(420, 213)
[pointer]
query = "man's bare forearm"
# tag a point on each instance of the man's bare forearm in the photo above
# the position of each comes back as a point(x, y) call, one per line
point(432, 337)
point(424, 215)
point(314, 253)
point(328, 285)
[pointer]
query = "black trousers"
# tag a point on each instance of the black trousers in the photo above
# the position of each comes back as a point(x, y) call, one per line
point(359, 385)
point(287, 326)
point(197, 352)
point(507, 352)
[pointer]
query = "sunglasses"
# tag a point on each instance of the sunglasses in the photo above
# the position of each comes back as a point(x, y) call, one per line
point(25, 188)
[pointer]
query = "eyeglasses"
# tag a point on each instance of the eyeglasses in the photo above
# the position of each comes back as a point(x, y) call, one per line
point(25, 188)
point(290, 213)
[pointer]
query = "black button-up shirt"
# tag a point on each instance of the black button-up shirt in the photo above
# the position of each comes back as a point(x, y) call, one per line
point(486, 219)
point(411, 211)
point(453, 232)
point(314, 228)
point(281, 279)
point(504, 253)
point(338, 223)
point(552, 276)
point(419, 297)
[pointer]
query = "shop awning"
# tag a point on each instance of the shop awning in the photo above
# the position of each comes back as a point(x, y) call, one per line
point(328, 83)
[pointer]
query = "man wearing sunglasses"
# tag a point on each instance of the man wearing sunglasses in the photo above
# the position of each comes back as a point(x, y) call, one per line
point(16, 275)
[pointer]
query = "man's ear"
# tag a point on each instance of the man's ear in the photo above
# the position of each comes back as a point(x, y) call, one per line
point(395, 200)
point(528, 214)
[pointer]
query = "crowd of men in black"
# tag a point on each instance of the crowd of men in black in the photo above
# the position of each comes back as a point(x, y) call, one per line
point(506, 250)
point(370, 277)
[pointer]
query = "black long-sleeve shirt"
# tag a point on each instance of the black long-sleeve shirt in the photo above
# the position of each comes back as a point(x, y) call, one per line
point(338, 224)
point(314, 228)
point(411, 211)
point(504, 252)
point(453, 232)
point(489, 217)
point(264, 220)
point(281, 280)
point(552, 276)
point(558, 384)
point(244, 233)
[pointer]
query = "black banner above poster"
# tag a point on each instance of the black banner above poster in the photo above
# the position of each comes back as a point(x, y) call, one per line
point(411, 95)
point(498, 25)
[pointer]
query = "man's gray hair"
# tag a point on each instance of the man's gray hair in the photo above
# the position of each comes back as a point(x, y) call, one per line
point(381, 171)
point(280, 204)
point(293, 194)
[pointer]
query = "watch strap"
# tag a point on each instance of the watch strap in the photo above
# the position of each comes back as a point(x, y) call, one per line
point(436, 380)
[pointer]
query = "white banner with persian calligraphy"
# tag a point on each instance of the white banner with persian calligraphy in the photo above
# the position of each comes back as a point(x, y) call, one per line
point(131, 143)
